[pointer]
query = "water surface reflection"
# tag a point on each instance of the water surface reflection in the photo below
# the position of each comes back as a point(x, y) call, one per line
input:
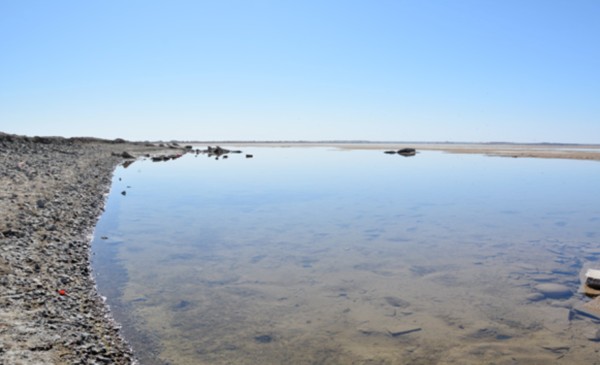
point(312, 255)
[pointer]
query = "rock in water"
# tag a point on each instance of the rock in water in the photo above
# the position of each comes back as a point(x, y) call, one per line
point(407, 152)
point(554, 291)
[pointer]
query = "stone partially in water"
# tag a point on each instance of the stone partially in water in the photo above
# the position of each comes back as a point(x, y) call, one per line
point(406, 152)
point(555, 291)
point(590, 292)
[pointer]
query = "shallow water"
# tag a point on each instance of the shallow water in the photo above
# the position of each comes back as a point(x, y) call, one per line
point(322, 256)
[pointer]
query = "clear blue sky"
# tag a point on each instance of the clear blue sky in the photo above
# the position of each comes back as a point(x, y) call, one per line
point(461, 70)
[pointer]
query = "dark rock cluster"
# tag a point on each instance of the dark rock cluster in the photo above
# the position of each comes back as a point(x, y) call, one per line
point(406, 152)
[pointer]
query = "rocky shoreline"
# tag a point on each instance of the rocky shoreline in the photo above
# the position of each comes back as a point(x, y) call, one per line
point(53, 192)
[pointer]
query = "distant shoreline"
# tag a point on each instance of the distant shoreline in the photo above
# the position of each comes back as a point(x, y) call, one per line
point(366, 142)
point(498, 149)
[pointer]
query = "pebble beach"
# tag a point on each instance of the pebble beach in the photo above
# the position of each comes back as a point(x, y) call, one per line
point(53, 192)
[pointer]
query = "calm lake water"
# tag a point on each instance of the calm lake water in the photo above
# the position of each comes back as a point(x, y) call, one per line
point(325, 256)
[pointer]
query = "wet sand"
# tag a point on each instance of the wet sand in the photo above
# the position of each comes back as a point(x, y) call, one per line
point(53, 192)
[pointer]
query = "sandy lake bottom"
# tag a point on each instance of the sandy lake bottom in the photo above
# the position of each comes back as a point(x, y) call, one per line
point(322, 256)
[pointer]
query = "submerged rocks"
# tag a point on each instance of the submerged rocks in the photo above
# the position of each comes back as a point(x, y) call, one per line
point(182, 305)
point(392, 329)
point(264, 339)
point(397, 302)
point(554, 291)
point(399, 330)
point(534, 297)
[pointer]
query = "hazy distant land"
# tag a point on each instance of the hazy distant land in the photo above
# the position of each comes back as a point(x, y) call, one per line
point(503, 149)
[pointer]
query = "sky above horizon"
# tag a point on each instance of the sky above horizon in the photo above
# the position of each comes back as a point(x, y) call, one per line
point(463, 70)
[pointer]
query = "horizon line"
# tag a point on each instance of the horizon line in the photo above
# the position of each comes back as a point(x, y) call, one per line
point(304, 141)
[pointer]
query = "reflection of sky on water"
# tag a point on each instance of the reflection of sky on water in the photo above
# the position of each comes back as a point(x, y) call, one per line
point(322, 183)
point(312, 220)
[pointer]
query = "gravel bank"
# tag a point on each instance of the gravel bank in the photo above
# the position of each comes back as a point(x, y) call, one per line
point(53, 192)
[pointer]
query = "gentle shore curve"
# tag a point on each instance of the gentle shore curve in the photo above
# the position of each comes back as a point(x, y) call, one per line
point(53, 193)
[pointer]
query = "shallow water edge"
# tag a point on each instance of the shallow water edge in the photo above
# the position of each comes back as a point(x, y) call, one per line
point(52, 198)
point(424, 275)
